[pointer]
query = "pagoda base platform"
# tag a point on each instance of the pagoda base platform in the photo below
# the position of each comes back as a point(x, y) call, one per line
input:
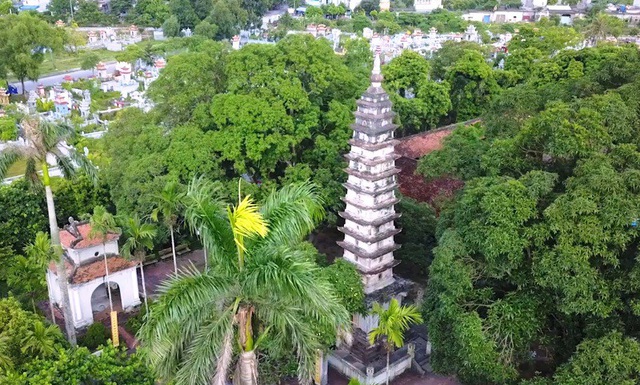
point(368, 363)
point(376, 372)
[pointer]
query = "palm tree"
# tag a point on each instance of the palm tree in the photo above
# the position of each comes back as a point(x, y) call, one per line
point(103, 223)
point(139, 237)
point(40, 253)
point(168, 205)
point(261, 282)
point(392, 324)
point(44, 140)
point(40, 341)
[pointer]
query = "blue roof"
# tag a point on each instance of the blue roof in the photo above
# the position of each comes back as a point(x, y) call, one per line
point(29, 7)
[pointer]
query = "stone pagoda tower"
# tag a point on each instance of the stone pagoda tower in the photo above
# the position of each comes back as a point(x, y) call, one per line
point(369, 229)
point(369, 214)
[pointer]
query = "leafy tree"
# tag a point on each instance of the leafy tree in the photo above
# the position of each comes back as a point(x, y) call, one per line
point(8, 129)
point(79, 366)
point(22, 215)
point(393, 322)
point(418, 222)
point(153, 13)
point(348, 285)
point(89, 61)
point(171, 27)
point(6, 7)
point(229, 17)
point(420, 102)
point(26, 336)
point(24, 39)
point(312, 12)
point(61, 9)
point(532, 251)
point(177, 102)
point(260, 277)
point(184, 12)
point(612, 359)
point(26, 274)
point(449, 54)
point(206, 29)
point(90, 14)
point(360, 22)
point(120, 7)
point(46, 139)
point(96, 335)
point(473, 85)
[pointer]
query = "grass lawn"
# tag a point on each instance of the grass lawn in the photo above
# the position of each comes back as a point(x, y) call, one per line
point(17, 169)
point(65, 61)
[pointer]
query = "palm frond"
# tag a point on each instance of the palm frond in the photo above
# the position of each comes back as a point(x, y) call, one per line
point(393, 322)
point(64, 163)
point(246, 222)
point(169, 203)
point(10, 155)
point(205, 214)
point(31, 172)
point(187, 304)
point(292, 213)
point(209, 353)
point(54, 133)
point(83, 164)
point(102, 223)
point(40, 250)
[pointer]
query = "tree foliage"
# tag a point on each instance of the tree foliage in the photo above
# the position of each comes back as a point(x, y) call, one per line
point(536, 258)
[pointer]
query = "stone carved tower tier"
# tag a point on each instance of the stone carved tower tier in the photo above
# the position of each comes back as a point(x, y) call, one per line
point(369, 215)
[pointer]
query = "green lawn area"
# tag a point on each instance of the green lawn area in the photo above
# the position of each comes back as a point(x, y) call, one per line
point(17, 169)
point(65, 61)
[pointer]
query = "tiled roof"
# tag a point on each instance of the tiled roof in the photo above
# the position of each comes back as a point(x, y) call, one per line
point(415, 186)
point(68, 240)
point(95, 269)
point(419, 145)
point(412, 148)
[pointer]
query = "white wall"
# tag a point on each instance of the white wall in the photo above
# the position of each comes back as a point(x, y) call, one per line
point(82, 255)
point(80, 295)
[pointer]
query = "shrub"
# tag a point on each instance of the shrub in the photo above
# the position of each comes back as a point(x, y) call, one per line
point(97, 334)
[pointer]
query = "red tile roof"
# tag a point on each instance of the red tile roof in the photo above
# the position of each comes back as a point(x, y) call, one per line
point(95, 269)
point(412, 148)
point(69, 241)
point(419, 145)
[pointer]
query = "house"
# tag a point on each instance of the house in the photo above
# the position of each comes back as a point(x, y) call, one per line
point(87, 276)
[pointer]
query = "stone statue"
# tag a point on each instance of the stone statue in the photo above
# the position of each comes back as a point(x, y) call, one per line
point(72, 227)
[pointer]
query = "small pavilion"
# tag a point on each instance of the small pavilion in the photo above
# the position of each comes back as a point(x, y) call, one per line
point(87, 276)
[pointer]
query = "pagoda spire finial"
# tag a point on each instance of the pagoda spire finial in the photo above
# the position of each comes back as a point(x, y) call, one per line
point(376, 73)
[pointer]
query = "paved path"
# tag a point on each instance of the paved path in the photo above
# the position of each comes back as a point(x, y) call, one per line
point(52, 80)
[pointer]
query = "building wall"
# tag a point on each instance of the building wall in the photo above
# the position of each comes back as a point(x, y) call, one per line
point(80, 295)
point(82, 255)
point(395, 369)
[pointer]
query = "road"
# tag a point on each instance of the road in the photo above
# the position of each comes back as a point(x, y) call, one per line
point(52, 80)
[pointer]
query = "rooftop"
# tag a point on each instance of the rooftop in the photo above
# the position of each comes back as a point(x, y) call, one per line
point(95, 269)
point(83, 241)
